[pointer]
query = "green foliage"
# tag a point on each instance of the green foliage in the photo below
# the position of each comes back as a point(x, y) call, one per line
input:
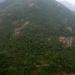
point(36, 50)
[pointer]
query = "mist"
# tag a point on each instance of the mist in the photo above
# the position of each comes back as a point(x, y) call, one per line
point(68, 3)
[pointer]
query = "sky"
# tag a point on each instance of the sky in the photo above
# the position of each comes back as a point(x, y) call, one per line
point(2, 1)
point(70, 1)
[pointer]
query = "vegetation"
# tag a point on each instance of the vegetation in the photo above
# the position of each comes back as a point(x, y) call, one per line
point(29, 32)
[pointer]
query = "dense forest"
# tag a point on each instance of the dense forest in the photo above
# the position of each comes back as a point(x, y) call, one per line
point(37, 37)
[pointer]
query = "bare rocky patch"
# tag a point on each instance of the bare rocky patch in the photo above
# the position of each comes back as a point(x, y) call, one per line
point(66, 41)
point(19, 27)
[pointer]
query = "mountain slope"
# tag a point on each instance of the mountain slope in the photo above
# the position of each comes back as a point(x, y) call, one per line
point(29, 32)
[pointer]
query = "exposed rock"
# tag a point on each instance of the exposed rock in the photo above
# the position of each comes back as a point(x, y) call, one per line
point(69, 29)
point(17, 30)
point(67, 41)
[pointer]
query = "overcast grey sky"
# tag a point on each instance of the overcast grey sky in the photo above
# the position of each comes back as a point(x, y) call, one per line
point(70, 1)
point(2, 1)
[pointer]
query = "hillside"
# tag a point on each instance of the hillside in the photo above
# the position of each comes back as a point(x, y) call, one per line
point(31, 36)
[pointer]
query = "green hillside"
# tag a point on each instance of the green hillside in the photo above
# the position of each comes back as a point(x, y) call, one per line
point(29, 36)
